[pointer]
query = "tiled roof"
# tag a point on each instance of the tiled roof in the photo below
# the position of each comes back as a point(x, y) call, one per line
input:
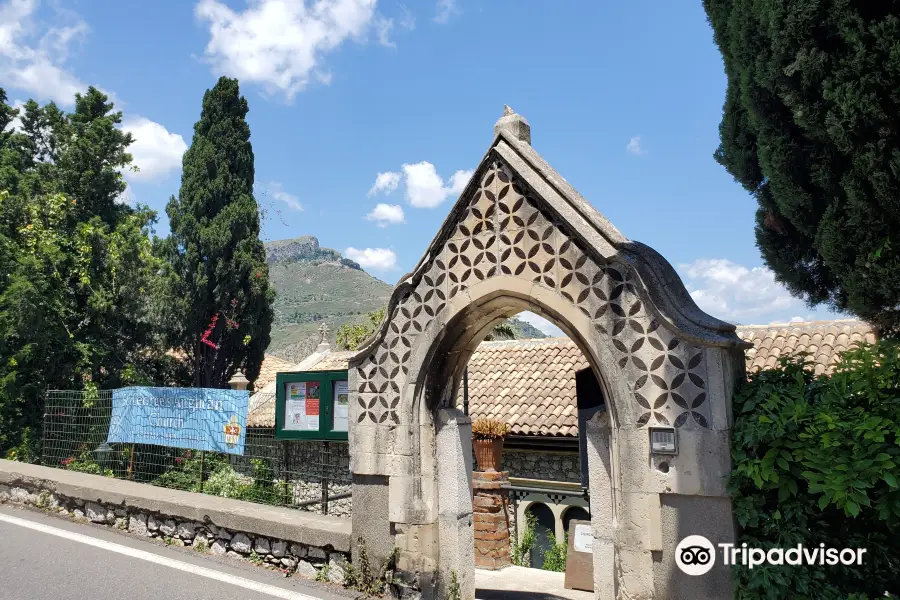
point(333, 361)
point(530, 384)
point(271, 366)
point(824, 340)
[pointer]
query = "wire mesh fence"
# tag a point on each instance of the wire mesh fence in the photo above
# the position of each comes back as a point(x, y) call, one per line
point(307, 475)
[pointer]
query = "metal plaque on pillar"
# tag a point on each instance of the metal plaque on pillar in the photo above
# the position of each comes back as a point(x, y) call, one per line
point(580, 557)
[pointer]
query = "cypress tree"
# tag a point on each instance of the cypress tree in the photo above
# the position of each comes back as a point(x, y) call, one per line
point(810, 128)
point(219, 300)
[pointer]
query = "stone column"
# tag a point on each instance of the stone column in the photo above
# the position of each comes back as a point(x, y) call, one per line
point(491, 520)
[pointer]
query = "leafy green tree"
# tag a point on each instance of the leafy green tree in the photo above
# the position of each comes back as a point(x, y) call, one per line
point(502, 331)
point(350, 336)
point(817, 461)
point(218, 293)
point(75, 263)
point(810, 130)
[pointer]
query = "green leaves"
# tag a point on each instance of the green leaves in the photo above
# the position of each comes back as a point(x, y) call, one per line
point(218, 263)
point(809, 130)
point(350, 336)
point(816, 461)
point(75, 264)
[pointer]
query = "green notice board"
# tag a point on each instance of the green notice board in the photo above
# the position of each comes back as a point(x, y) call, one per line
point(312, 405)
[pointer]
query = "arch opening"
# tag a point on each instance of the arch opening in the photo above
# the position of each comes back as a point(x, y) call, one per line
point(437, 391)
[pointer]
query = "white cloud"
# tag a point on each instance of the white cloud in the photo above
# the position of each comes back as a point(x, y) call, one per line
point(409, 19)
point(385, 182)
point(445, 8)
point(736, 293)
point(634, 146)
point(34, 63)
point(383, 27)
point(386, 214)
point(541, 324)
point(156, 151)
point(459, 180)
point(379, 259)
point(281, 44)
point(426, 189)
point(276, 190)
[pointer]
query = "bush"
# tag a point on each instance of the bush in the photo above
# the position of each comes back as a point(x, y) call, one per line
point(220, 478)
point(28, 449)
point(85, 464)
point(520, 549)
point(817, 461)
point(555, 556)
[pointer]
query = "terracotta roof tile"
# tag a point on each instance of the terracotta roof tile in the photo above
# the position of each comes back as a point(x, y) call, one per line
point(271, 366)
point(537, 379)
point(824, 340)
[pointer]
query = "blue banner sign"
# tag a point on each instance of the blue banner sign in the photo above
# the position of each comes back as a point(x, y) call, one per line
point(196, 418)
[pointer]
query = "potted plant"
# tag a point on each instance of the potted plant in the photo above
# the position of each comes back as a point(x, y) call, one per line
point(487, 438)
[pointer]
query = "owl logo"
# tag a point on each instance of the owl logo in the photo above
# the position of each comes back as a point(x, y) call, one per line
point(232, 432)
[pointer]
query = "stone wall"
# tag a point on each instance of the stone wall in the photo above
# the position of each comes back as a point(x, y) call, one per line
point(542, 465)
point(303, 466)
point(290, 557)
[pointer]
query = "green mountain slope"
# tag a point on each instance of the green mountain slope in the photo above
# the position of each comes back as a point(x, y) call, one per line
point(313, 284)
point(525, 330)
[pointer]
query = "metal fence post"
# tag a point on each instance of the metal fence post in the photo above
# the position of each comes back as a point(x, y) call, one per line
point(202, 459)
point(284, 471)
point(131, 463)
point(325, 455)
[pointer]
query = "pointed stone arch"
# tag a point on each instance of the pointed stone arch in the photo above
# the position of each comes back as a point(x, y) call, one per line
point(520, 238)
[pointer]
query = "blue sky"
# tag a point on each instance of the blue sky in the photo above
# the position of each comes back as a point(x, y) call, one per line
point(624, 100)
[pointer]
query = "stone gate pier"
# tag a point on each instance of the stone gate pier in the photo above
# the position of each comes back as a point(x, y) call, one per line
point(521, 238)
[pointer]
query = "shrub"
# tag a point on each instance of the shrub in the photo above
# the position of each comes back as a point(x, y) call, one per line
point(85, 464)
point(364, 578)
point(817, 461)
point(28, 449)
point(520, 549)
point(489, 429)
point(555, 555)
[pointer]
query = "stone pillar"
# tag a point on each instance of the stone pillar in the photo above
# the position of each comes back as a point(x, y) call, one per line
point(491, 520)
point(453, 449)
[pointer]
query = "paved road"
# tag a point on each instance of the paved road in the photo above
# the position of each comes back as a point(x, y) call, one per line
point(47, 557)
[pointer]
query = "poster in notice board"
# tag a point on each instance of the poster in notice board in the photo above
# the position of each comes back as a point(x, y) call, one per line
point(301, 406)
point(341, 406)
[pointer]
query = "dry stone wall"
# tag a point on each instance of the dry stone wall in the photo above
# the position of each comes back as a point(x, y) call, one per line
point(542, 465)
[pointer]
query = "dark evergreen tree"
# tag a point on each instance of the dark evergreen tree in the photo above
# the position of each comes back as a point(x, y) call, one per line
point(811, 129)
point(219, 299)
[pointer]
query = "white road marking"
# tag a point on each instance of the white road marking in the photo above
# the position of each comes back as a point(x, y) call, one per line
point(249, 584)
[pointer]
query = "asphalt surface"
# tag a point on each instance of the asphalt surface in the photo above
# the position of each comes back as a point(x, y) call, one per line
point(40, 565)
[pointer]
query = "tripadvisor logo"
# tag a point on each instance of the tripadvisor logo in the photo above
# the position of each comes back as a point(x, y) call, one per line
point(695, 555)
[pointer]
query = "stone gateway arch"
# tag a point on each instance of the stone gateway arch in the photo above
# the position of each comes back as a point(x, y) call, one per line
point(521, 238)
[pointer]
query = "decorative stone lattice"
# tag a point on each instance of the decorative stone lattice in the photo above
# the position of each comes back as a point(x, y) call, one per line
point(505, 229)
